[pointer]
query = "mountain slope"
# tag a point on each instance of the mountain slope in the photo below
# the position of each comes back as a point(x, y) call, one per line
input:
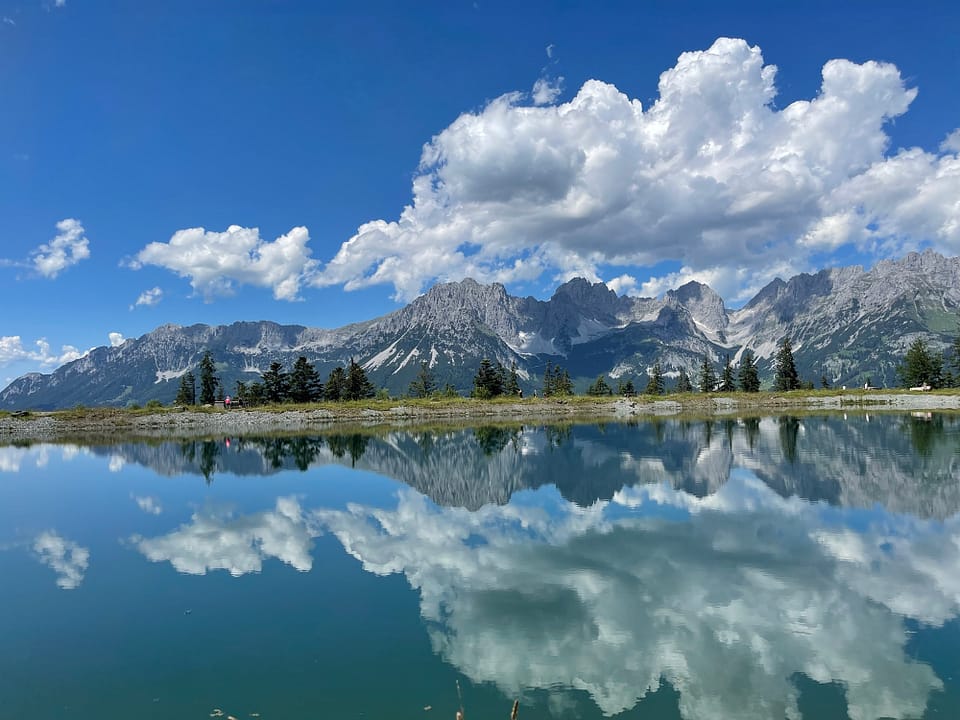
point(846, 324)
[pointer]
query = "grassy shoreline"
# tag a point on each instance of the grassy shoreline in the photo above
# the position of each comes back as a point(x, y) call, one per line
point(175, 422)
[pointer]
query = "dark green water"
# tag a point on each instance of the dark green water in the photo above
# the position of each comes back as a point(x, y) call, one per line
point(770, 568)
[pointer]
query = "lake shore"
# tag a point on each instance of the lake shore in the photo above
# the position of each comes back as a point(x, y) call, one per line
point(80, 424)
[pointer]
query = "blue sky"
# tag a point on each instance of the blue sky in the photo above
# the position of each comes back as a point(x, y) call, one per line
point(321, 163)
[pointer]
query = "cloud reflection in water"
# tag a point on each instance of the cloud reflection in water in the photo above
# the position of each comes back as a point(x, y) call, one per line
point(727, 596)
point(65, 557)
point(235, 544)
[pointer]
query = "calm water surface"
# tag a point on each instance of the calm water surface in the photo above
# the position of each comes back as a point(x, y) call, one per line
point(763, 568)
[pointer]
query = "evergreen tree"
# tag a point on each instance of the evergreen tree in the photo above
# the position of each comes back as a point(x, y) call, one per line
point(305, 385)
point(655, 384)
point(708, 379)
point(749, 378)
point(556, 381)
point(255, 394)
point(600, 387)
point(548, 381)
point(824, 382)
point(187, 392)
point(785, 377)
point(449, 391)
point(921, 367)
point(956, 357)
point(727, 383)
point(241, 393)
point(627, 389)
point(209, 382)
point(276, 383)
point(512, 385)
point(683, 382)
point(358, 385)
point(423, 385)
point(336, 386)
point(488, 382)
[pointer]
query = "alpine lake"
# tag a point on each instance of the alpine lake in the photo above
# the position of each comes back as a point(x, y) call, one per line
point(723, 569)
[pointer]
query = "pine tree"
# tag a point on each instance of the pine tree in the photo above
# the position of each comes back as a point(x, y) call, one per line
point(683, 382)
point(749, 378)
point(600, 387)
point(358, 385)
point(488, 382)
point(556, 381)
point(335, 388)
point(708, 379)
point(512, 385)
point(209, 382)
point(449, 391)
point(655, 384)
point(305, 385)
point(423, 385)
point(187, 392)
point(255, 395)
point(276, 383)
point(786, 377)
point(727, 383)
point(548, 380)
point(241, 393)
point(956, 357)
point(627, 389)
point(921, 367)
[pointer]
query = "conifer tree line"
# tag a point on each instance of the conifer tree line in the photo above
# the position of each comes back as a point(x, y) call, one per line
point(495, 380)
point(210, 386)
point(301, 384)
point(921, 367)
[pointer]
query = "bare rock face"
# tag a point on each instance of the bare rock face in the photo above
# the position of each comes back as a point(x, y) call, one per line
point(846, 325)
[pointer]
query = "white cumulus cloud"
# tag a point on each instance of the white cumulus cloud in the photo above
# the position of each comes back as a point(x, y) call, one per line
point(12, 350)
point(622, 284)
point(116, 339)
point(149, 298)
point(545, 90)
point(68, 559)
point(69, 247)
point(713, 176)
point(215, 262)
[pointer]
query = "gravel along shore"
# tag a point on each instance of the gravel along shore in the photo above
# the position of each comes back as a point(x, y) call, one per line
point(104, 423)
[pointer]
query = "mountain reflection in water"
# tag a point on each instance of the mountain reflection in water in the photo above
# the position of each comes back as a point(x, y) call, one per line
point(907, 464)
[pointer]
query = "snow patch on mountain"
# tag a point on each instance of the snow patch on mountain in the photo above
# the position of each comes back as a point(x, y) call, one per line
point(590, 329)
point(381, 358)
point(165, 375)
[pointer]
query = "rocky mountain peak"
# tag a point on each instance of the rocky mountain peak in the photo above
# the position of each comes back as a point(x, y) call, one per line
point(703, 303)
point(590, 300)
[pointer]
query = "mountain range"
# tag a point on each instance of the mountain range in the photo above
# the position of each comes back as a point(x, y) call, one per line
point(848, 325)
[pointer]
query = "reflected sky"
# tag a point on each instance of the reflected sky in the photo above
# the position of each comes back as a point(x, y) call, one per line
point(723, 560)
point(726, 597)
